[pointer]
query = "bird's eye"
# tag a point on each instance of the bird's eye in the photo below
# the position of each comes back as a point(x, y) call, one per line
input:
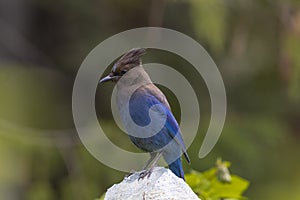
point(123, 72)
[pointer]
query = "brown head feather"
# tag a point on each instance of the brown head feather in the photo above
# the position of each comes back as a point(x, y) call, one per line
point(128, 61)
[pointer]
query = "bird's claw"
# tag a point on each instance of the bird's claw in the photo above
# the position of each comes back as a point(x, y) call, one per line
point(129, 174)
point(146, 173)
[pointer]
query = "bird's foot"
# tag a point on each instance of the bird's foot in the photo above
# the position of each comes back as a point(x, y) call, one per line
point(130, 173)
point(146, 173)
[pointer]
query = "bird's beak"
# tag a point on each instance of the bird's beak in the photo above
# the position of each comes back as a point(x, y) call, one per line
point(106, 78)
point(110, 77)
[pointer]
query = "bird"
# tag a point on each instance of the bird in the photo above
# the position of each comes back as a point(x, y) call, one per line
point(135, 86)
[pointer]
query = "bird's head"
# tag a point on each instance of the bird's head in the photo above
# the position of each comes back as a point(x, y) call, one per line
point(128, 61)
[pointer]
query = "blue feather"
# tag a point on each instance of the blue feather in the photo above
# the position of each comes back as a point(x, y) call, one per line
point(140, 103)
point(176, 168)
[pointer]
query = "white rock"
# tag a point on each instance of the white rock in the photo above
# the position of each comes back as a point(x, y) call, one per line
point(161, 185)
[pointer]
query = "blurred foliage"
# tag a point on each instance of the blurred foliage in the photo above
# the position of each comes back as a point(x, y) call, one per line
point(255, 44)
point(210, 184)
point(208, 25)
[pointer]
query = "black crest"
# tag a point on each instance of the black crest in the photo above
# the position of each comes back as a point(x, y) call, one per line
point(131, 57)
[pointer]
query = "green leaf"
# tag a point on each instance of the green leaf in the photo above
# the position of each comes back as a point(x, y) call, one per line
point(234, 189)
point(209, 186)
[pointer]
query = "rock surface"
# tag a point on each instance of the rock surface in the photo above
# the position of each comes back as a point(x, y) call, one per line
point(161, 185)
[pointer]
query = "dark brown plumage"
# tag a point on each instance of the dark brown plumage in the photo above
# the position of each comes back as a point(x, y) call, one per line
point(128, 61)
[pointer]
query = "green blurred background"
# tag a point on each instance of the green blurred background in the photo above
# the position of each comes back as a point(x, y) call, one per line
point(255, 44)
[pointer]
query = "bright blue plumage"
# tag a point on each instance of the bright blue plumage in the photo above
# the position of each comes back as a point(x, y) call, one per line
point(140, 103)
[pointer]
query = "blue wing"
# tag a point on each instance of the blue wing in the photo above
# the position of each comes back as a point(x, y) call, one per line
point(140, 103)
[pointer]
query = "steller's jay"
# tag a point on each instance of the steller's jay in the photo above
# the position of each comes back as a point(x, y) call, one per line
point(141, 102)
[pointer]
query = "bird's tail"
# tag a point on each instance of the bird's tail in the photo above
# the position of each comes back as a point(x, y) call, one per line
point(176, 168)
